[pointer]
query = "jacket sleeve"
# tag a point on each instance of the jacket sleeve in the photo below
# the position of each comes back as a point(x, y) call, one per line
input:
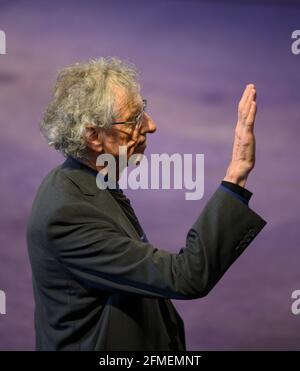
point(97, 253)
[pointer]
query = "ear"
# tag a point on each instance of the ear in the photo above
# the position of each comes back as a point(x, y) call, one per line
point(93, 138)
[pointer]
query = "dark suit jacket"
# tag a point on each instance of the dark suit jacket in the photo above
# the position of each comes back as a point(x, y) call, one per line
point(98, 287)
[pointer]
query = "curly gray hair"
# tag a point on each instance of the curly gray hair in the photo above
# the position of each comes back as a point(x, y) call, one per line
point(84, 94)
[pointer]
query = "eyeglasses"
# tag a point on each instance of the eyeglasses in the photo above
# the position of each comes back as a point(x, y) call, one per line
point(138, 120)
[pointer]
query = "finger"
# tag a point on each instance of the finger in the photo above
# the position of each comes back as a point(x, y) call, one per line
point(252, 114)
point(251, 98)
point(245, 94)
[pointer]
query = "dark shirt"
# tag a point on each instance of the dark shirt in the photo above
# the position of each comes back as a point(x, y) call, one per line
point(125, 204)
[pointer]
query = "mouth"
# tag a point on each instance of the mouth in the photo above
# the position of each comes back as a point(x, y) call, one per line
point(142, 143)
point(140, 148)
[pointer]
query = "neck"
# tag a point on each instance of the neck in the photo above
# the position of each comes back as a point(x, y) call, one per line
point(90, 161)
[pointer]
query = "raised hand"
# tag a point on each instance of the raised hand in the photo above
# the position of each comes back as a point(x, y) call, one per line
point(243, 153)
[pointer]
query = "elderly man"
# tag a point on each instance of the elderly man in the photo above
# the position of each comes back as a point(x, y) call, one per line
point(99, 284)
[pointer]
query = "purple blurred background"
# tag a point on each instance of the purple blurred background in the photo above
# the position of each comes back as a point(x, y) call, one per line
point(195, 57)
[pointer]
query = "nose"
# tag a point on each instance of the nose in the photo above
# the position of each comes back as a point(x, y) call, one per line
point(148, 125)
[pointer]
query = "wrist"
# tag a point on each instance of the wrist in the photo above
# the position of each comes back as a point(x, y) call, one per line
point(235, 178)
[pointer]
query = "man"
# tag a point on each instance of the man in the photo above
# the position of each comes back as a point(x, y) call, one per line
point(98, 282)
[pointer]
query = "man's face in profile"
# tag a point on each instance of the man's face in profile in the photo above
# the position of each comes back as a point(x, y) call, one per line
point(126, 134)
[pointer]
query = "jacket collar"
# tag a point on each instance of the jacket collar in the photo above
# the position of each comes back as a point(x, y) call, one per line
point(84, 177)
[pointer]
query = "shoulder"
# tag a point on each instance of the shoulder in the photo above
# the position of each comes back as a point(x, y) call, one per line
point(55, 191)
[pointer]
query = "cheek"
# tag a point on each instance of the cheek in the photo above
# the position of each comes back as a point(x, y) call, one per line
point(111, 145)
point(111, 148)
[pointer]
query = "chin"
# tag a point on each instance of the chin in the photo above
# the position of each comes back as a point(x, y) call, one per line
point(140, 149)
